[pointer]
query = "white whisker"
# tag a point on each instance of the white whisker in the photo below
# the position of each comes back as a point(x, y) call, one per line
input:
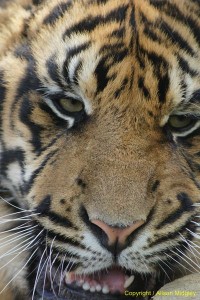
point(164, 270)
point(178, 262)
point(45, 276)
point(196, 223)
point(66, 268)
point(197, 236)
point(19, 233)
point(61, 274)
point(16, 228)
point(24, 247)
point(15, 213)
point(24, 218)
point(51, 264)
point(191, 249)
point(15, 239)
point(7, 202)
point(39, 271)
point(52, 280)
point(17, 248)
point(19, 270)
point(184, 259)
point(183, 254)
point(195, 247)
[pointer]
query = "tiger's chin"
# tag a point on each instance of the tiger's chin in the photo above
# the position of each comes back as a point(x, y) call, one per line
point(108, 284)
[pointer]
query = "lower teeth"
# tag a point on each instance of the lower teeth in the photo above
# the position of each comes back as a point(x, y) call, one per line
point(92, 286)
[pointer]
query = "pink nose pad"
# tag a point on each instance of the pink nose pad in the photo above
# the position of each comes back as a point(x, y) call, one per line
point(116, 233)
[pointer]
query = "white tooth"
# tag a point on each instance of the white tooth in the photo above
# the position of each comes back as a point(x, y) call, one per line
point(92, 289)
point(86, 286)
point(129, 281)
point(98, 288)
point(105, 289)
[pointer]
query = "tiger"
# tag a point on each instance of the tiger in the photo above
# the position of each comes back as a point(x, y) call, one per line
point(99, 149)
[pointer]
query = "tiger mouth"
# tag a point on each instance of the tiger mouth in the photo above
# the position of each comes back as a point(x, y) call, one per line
point(109, 284)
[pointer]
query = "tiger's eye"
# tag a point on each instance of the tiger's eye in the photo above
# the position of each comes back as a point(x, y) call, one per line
point(180, 121)
point(71, 105)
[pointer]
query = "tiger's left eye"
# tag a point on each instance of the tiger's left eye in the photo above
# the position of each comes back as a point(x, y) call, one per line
point(180, 122)
point(71, 105)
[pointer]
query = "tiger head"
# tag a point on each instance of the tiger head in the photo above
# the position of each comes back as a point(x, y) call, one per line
point(100, 139)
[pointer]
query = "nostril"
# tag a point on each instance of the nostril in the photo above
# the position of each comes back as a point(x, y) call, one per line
point(96, 230)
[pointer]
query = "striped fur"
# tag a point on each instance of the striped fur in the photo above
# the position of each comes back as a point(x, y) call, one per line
point(132, 64)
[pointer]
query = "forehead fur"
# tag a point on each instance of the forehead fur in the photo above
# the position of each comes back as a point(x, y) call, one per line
point(105, 46)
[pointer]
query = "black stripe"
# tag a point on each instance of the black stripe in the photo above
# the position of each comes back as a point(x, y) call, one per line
point(183, 88)
point(173, 11)
point(100, 2)
point(158, 61)
point(149, 29)
point(44, 211)
point(39, 169)
point(76, 72)
point(10, 156)
point(59, 220)
point(44, 206)
point(57, 12)
point(108, 49)
point(90, 23)
point(53, 71)
point(2, 94)
point(155, 185)
point(35, 129)
point(143, 88)
point(121, 88)
point(101, 73)
point(186, 202)
point(157, 3)
point(139, 54)
point(171, 218)
point(37, 2)
point(151, 34)
point(29, 82)
point(119, 56)
point(56, 236)
point(71, 53)
point(163, 86)
point(23, 51)
point(175, 37)
point(186, 205)
point(195, 98)
point(132, 22)
point(173, 235)
point(118, 33)
point(194, 27)
point(64, 239)
point(185, 66)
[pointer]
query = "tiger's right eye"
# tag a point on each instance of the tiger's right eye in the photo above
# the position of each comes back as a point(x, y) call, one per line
point(71, 105)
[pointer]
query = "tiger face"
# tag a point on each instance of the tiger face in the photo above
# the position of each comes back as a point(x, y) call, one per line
point(99, 141)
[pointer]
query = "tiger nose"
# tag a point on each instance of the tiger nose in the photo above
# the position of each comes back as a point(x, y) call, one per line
point(117, 234)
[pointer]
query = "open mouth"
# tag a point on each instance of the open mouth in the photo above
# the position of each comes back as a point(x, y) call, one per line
point(110, 284)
